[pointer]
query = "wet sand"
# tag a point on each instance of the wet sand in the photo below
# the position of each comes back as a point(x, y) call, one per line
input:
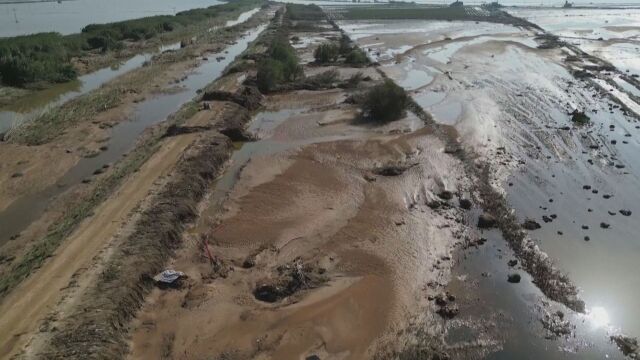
point(309, 198)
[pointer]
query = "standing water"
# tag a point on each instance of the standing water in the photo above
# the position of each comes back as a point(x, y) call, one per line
point(22, 212)
point(29, 107)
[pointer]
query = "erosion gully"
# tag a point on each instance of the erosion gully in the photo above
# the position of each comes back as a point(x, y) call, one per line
point(511, 101)
point(22, 212)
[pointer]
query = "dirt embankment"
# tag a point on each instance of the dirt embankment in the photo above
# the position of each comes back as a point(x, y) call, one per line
point(81, 129)
point(145, 180)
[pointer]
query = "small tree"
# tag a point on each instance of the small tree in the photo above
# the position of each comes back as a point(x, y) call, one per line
point(385, 102)
point(270, 74)
point(357, 57)
point(326, 53)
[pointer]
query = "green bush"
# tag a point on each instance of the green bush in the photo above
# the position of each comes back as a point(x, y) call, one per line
point(357, 57)
point(385, 102)
point(280, 66)
point(326, 53)
point(270, 74)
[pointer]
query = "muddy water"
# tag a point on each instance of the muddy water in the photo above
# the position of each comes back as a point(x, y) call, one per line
point(39, 102)
point(505, 92)
point(23, 211)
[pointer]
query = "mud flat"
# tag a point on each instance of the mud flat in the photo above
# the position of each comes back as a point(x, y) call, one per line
point(510, 93)
point(326, 237)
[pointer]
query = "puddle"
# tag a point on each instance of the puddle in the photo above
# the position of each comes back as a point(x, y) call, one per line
point(22, 212)
point(487, 299)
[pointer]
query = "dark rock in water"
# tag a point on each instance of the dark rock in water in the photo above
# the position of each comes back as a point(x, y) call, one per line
point(560, 232)
point(607, 196)
point(620, 166)
point(628, 345)
point(585, 227)
point(613, 142)
point(445, 195)
point(604, 225)
point(487, 221)
point(512, 262)
point(546, 219)
point(595, 191)
point(530, 224)
point(553, 216)
point(586, 238)
point(513, 278)
point(625, 212)
point(612, 213)
point(586, 187)
point(466, 204)
point(566, 128)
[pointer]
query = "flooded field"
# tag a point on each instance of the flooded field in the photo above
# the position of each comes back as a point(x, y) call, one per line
point(17, 216)
point(512, 102)
point(29, 107)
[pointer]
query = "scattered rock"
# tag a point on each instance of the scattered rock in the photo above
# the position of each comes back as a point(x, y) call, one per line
point(445, 195)
point(513, 278)
point(466, 204)
point(625, 212)
point(604, 225)
point(530, 224)
point(512, 262)
point(487, 221)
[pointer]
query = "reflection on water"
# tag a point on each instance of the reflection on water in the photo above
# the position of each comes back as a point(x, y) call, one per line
point(68, 17)
point(25, 210)
point(29, 107)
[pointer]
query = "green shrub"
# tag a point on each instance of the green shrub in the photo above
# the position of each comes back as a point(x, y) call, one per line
point(270, 74)
point(385, 102)
point(326, 53)
point(357, 57)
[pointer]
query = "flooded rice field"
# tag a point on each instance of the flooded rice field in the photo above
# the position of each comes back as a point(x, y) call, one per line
point(512, 102)
point(20, 213)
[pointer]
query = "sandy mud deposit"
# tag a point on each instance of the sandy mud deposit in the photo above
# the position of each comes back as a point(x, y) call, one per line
point(328, 239)
point(516, 97)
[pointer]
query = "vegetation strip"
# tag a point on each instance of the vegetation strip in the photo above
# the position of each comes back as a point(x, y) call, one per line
point(38, 59)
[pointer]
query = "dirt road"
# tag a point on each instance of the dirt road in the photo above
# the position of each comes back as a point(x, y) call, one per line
point(46, 291)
